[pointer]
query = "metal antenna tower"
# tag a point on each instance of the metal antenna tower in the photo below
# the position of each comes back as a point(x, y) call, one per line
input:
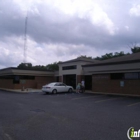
point(25, 40)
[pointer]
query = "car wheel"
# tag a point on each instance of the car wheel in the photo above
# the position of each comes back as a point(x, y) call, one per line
point(54, 91)
point(70, 90)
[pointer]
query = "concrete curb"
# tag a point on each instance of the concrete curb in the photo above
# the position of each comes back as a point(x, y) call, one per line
point(114, 94)
point(20, 91)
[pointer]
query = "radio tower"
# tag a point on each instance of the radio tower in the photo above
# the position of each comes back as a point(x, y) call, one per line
point(25, 40)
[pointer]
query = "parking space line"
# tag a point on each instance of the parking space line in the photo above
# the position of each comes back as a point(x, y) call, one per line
point(107, 99)
point(86, 97)
point(133, 104)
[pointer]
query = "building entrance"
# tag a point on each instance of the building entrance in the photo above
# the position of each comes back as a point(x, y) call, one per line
point(70, 80)
point(88, 82)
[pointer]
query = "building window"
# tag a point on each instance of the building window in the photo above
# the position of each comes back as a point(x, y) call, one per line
point(126, 76)
point(69, 67)
point(16, 80)
point(132, 75)
point(117, 76)
point(27, 77)
point(6, 77)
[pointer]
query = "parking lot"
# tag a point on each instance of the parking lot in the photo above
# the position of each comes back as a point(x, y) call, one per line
point(67, 116)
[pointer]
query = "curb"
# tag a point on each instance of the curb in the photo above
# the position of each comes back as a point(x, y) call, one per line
point(113, 94)
point(19, 91)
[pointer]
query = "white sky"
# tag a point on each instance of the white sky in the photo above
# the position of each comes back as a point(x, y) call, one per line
point(59, 30)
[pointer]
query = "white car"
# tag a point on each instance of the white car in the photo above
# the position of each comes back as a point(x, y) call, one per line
point(57, 87)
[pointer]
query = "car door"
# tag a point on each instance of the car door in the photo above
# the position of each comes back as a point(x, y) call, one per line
point(63, 87)
point(57, 86)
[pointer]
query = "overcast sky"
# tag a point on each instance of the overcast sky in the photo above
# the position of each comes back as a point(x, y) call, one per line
point(60, 30)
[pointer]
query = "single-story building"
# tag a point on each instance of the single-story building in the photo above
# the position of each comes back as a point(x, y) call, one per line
point(15, 78)
point(71, 72)
point(117, 75)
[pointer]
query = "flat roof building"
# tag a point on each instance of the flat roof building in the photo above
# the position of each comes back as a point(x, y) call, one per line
point(116, 75)
point(71, 72)
point(119, 75)
point(15, 78)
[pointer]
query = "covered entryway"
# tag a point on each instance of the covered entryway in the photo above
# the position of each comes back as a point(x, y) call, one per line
point(88, 82)
point(70, 80)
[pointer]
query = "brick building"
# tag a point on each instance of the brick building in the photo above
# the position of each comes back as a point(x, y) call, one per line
point(117, 75)
point(14, 78)
point(71, 72)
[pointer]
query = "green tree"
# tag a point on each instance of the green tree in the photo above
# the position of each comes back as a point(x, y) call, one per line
point(39, 67)
point(84, 56)
point(54, 66)
point(111, 55)
point(25, 65)
point(135, 49)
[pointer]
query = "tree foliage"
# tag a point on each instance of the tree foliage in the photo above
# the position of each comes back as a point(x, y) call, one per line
point(24, 65)
point(54, 66)
point(84, 56)
point(135, 49)
point(111, 55)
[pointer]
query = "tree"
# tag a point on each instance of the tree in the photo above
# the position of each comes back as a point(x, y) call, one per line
point(135, 49)
point(84, 56)
point(39, 67)
point(24, 65)
point(111, 55)
point(54, 66)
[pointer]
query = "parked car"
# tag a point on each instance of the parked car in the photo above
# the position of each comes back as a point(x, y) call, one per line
point(56, 87)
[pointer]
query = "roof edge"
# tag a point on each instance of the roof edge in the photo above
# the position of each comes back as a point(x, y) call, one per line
point(111, 63)
point(14, 68)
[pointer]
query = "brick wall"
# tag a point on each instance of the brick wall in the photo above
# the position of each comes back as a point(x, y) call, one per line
point(27, 84)
point(103, 83)
point(60, 79)
point(40, 81)
point(79, 78)
point(36, 83)
point(6, 83)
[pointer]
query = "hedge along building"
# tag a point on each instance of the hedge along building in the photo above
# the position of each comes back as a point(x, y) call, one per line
point(71, 72)
point(14, 78)
point(116, 75)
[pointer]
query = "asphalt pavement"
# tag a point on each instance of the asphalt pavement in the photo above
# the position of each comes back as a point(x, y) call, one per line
point(67, 116)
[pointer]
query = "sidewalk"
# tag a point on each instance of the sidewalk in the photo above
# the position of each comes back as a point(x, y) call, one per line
point(28, 90)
